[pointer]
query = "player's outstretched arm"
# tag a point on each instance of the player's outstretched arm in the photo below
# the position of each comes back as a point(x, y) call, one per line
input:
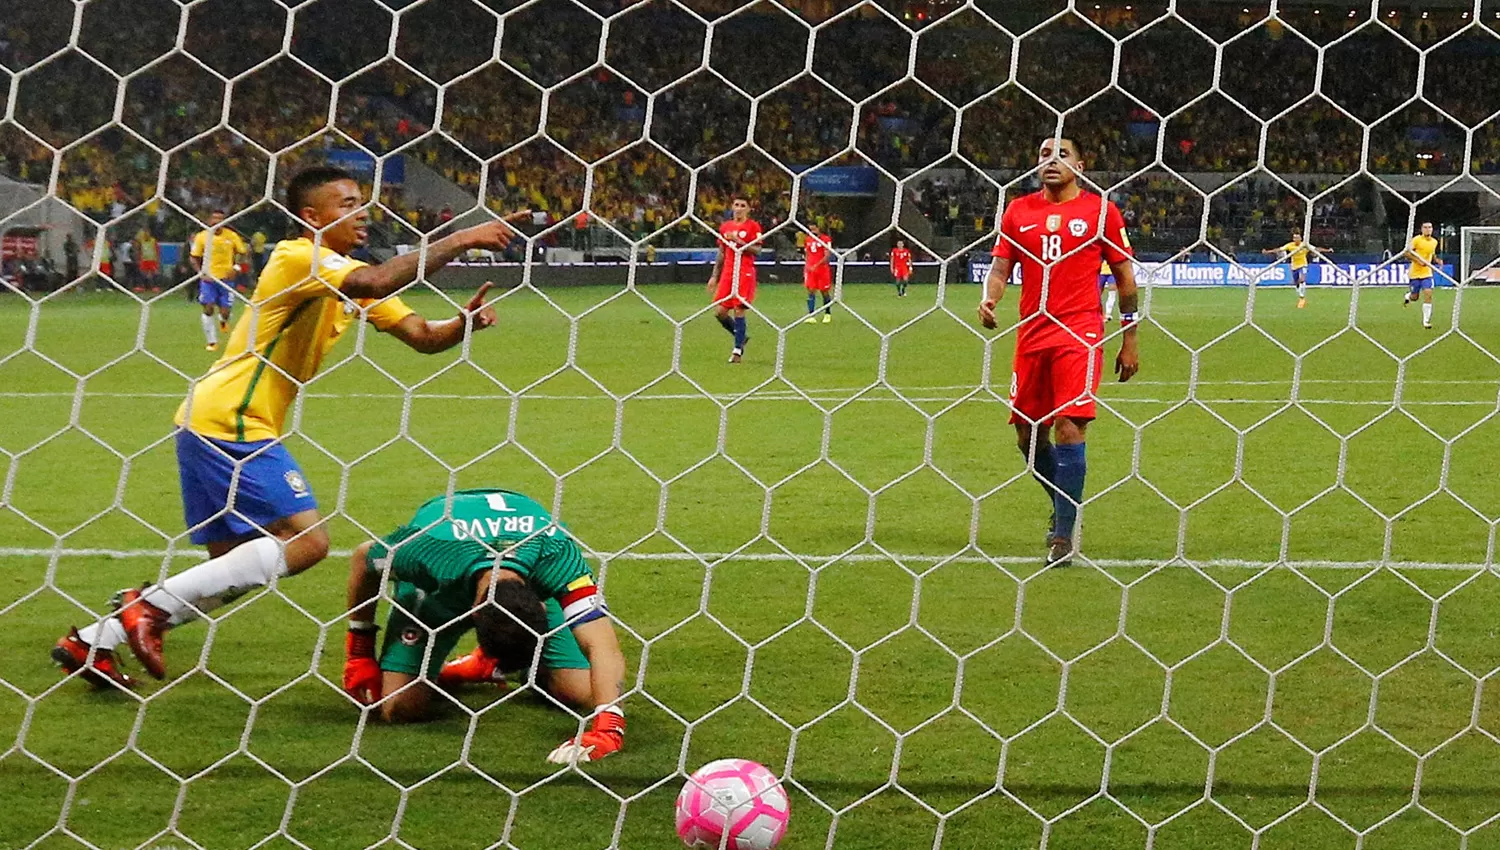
point(388, 277)
point(994, 290)
point(606, 734)
point(361, 670)
point(1128, 361)
point(429, 337)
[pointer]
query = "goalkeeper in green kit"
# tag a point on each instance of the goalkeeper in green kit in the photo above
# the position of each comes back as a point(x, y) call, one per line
point(494, 561)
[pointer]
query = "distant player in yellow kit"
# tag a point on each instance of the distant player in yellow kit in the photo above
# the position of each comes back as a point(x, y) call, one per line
point(1423, 255)
point(1107, 281)
point(244, 497)
point(216, 256)
point(1296, 252)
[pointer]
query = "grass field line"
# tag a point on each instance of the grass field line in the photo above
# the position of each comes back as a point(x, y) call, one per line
point(821, 395)
point(858, 557)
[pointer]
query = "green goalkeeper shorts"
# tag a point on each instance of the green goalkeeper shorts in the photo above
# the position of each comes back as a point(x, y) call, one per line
point(406, 639)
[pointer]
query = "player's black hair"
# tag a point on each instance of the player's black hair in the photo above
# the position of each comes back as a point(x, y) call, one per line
point(739, 196)
point(308, 179)
point(1077, 148)
point(508, 627)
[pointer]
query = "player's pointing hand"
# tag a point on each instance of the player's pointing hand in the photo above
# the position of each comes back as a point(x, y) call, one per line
point(492, 235)
point(480, 315)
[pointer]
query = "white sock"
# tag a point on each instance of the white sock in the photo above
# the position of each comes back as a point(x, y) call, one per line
point(245, 567)
point(1426, 312)
point(1109, 304)
point(1301, 290)
point(210, 330)
point(105, 635)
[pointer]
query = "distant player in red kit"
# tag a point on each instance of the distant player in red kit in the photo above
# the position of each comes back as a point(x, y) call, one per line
point(732, 283)
point(816, 275)
point(901, 266)
point(1056, 236)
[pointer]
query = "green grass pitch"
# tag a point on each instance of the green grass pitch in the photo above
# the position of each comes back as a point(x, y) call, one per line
point(1181, 690)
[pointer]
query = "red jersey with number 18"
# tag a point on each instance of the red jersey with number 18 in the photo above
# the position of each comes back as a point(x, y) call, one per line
point(901, 262)
point(738, 234)
point(1062, 246)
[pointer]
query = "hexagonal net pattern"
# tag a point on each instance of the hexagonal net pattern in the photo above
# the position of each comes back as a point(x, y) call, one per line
point(822, 556)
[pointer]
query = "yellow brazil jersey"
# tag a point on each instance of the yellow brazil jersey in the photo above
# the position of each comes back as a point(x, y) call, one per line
point(295, 317)
point(217, 252)
point(1104, 265)
point(1296, 252)
point(1424, 247)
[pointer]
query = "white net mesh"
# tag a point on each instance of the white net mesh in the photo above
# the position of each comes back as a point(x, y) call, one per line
point(828, 558)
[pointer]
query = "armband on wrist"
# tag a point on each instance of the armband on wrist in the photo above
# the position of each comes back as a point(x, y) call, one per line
point(363, 626)
point(1128, 319)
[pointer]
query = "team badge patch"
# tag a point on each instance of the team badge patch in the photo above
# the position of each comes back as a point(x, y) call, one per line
point(1053, 223)
point(411, 636)
point(295, 481)
point(1078, 227)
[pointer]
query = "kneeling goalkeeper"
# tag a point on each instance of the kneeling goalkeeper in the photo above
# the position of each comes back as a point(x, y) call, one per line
point(485, 560)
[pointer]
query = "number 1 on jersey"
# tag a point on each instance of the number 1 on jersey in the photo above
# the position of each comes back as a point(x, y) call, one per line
point(497, 502)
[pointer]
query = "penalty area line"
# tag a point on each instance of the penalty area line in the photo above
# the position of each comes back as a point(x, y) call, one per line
point(858, 557)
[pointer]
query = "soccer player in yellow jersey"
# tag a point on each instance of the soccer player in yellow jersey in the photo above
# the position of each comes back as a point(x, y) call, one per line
point(216, 255)
point(243, 495)
point(1107, 281)
point(1423, 255)
point(1296, 251)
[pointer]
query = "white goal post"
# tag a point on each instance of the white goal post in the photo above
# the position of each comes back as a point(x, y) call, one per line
point(1479, 256)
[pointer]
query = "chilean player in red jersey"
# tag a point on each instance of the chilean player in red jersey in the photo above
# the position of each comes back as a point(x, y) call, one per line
point(816, 275)
point(901, 266)
point(732, 283)
point(1055, 235)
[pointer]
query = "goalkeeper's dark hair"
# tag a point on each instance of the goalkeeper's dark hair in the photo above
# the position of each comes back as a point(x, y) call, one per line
point(509, 625)
point(308, 179)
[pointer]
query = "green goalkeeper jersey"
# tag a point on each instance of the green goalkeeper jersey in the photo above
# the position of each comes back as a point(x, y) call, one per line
point(442, 551)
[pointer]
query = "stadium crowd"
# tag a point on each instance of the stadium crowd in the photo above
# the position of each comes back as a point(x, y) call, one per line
point(700, 115)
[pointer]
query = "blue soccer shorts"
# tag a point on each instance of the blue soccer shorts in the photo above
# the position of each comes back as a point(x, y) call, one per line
point(1420, 283)
point(1299, 276)
point(217, 507)
point(214, 293)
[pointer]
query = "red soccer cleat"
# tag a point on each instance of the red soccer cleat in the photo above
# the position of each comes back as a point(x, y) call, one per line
point(476, 668)
point(144, 624)
point(72, 654)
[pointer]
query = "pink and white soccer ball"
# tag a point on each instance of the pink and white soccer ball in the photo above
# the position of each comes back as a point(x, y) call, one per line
point(735, 796)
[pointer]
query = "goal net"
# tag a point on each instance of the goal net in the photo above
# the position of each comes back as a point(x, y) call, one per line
point(1479, 254)
point(829, 557)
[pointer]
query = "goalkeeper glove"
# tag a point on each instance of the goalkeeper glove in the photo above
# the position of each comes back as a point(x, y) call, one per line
point(361, 670)
point(606, 735)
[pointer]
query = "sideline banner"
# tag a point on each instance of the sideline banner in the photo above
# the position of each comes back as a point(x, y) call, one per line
point(1229, 274)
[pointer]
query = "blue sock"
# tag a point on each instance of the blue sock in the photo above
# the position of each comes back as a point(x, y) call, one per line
point(739, 332)
point(1072, 465)
point(812, 302)
point(1046, 466)
point(827, 307)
